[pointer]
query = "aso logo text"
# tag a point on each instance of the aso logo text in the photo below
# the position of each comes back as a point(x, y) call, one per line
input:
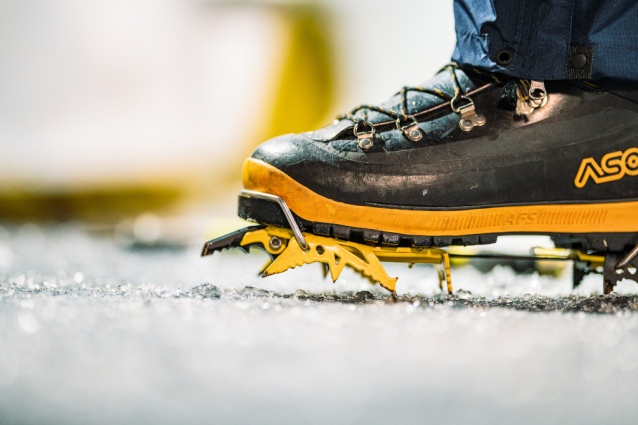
point(613, 166)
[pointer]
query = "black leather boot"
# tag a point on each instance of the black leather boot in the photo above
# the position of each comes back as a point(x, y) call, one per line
point(460, 160)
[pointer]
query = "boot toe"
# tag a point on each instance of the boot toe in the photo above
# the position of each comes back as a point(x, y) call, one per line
point(285, 164)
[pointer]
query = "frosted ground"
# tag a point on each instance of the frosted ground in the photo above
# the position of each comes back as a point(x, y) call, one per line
point(93, 331)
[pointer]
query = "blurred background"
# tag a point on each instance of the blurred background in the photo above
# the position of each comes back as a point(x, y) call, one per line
point(123, 128)
point(135, 116)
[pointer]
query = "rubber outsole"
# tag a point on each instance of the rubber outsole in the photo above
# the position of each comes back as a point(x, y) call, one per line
point(566, 218)
point(268, 213)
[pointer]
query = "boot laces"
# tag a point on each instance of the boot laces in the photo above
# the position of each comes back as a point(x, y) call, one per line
point(404, 114)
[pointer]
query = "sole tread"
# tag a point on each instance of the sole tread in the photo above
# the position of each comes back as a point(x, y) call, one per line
point(265, 212)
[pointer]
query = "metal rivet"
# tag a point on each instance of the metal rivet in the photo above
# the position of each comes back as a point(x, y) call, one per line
point(366, 143)
point(578, 61)
point(275, 243)
point(415, 135)
point(466, 125)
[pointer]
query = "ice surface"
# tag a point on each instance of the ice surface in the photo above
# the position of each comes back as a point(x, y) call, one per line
point(93, 332)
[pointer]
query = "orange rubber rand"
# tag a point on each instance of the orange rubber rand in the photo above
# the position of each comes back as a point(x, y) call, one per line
point(555, 218)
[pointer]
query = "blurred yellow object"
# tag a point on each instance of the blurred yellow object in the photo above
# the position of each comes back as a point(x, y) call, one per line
point(150, 157)
point(219, 226)
point(485, 261)
point(104, 204)
point(463, 250)
point(594, 260)
point(306, 89)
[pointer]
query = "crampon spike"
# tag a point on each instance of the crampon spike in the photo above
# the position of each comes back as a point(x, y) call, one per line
point(334, 254)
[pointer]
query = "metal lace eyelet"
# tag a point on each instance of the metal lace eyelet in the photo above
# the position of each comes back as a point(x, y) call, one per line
point(469, 117)
point(411, 131)
point(365, 140)
point(537, 91)
point(458, 110)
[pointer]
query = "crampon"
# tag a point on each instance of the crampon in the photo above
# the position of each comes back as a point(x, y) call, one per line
point(289, 248)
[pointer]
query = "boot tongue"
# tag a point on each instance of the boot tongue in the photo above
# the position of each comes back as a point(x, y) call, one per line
point(416, 101)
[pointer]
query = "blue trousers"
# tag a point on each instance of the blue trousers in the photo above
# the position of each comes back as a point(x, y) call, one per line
point(549, 39)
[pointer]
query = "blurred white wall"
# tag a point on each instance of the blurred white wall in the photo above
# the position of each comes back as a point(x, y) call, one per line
point(125, 90)
point(118, 92)
point(382, 46)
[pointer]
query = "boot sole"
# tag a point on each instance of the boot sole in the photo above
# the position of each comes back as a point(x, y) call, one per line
point(602, 227)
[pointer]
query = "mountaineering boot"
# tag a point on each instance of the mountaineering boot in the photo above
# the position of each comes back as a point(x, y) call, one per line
point(460, 160)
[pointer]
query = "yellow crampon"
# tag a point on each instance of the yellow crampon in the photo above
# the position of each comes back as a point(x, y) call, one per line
point(291, 249)
point(336, 253)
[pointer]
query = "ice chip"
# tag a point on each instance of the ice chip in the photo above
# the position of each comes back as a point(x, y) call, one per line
point(207, 290)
